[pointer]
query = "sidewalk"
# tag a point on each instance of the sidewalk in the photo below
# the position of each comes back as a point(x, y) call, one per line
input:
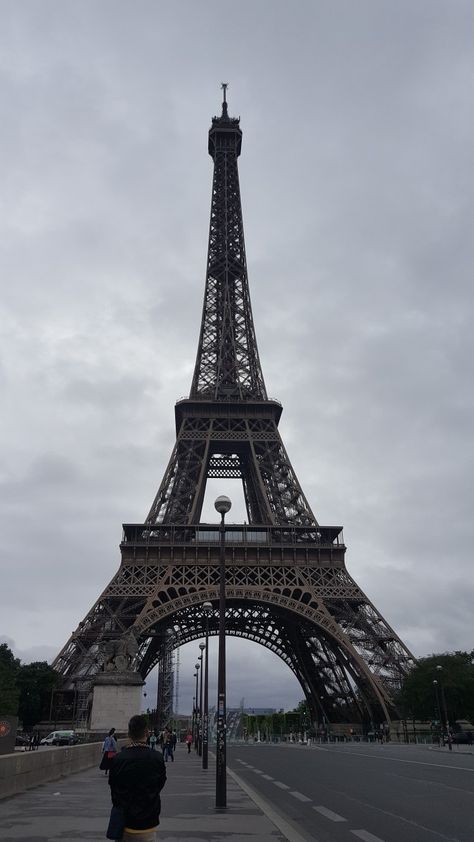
point(76, 808)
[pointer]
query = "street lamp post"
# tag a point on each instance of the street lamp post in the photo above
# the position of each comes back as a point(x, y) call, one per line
point(222, 505)
point(439, 669)
point(201, 646)
point(207, 608)
point(194, 714)
point(196, 737)
point(438, 714)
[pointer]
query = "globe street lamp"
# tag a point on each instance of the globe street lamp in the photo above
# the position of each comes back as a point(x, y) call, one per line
point(207, 608)
point(222, 505)
point(201, 646)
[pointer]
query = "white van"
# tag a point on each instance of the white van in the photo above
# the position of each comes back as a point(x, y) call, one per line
point(60, 738)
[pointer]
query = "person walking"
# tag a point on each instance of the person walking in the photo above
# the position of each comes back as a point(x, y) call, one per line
point(189, 741)
point(168, 747)
point(109, 750)
point(152, 740)
point(137, 776)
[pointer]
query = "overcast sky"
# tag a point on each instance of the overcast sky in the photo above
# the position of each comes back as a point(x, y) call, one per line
point(357, 182)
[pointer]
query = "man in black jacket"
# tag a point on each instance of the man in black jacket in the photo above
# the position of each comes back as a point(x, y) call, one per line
point(137, 776)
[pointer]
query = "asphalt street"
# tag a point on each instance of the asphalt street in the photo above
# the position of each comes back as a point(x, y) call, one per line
point(375, 793)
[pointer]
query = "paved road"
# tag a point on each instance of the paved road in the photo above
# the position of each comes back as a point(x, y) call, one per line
point(374, 793)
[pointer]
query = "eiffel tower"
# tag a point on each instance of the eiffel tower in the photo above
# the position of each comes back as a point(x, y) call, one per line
point(287, 586)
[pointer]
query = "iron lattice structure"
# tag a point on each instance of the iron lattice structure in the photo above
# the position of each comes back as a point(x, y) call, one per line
point(287, 584)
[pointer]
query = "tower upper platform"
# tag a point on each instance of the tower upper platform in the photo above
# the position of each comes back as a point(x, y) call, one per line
point(225, 133)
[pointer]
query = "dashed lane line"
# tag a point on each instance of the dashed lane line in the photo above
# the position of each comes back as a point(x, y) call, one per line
point(268, 777)
point(299, 796)
point(285, 827)
point(366, 836)
point(329, 814)
point(282, 786)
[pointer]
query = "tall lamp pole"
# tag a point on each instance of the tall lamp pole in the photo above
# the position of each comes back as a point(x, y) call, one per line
point(196, 736)
point(438, 713)
point(194, 714)
point(222, 505)
point(439, 670)
point(207, 608)
point(201, 646)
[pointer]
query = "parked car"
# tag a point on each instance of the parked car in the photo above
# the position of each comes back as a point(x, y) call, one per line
point(461, 733)
point(60, 738)
point(463, 737)
point(21, 741)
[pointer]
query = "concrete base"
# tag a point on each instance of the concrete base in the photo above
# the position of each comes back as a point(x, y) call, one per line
point(115, 702)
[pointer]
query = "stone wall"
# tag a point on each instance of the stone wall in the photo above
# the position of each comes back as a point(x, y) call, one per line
point(23, 770)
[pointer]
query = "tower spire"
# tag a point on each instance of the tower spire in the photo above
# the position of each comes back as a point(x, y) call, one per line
point(227, 362)
point(224, 87)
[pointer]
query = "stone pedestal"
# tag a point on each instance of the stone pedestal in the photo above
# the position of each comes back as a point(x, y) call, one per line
point(117, 697)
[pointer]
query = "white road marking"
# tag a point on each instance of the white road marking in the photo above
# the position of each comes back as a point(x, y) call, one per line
point(400, 760)
point(268, 777)
point(287, 829)
point(258, 771)
point(282, 786)
point(334, 817)
point(397, 816)
point(300, 796)
point(366, 836)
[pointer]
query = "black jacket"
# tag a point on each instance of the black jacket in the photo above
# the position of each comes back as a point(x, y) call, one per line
point(137, 776)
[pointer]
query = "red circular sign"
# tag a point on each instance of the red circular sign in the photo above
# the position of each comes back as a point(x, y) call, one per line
point(5, 728)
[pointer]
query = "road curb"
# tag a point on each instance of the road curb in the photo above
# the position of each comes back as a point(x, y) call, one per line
point(288, 831)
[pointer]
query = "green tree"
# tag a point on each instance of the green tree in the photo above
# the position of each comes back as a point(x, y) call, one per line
point(35, 682)
point(420, 697)
point(9, 692)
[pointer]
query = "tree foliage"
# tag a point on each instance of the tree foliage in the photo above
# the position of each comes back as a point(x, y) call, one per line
point(421, 698)
point(9, 693)
point(35, 683)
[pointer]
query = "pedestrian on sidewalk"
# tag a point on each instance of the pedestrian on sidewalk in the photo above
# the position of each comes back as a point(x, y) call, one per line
point(137, 776)
point(189, 741)
point(109, 750)
point(168, 747)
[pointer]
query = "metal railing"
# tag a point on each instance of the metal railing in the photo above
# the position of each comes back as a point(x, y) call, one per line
point(246, 534)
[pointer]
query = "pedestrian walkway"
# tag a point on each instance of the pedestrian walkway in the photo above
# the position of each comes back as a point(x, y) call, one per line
point(76, 808)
